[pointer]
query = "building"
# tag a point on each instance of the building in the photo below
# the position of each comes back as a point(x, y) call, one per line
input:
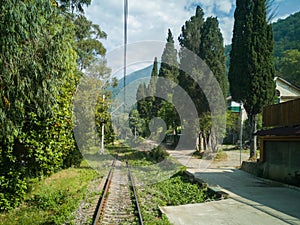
point(285, 90)
point(280, 142)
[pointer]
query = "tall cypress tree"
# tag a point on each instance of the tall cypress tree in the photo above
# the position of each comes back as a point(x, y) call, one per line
point(212, 51)
point(170, 72)
point(151, 100)
point(169, 66)
point(153, 78)
point(190, 36)
point(251, 72)
point(190, 40)
point(141, 100)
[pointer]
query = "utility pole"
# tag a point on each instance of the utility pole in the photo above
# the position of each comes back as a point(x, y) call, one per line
point(102, 132)
point(241, 131)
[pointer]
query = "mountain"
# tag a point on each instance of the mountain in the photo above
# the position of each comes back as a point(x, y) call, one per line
point(132, 82)
point(142, 74)
point(286, 34)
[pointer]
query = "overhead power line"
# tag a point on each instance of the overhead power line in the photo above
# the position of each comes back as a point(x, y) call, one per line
point(125, 48)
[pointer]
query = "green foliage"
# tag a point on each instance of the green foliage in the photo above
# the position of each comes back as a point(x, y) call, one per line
point(212, 51)
point(204, 39)
point(232, 127)
point(286, 34)
point(136, 123)
point(169, 114)
point(169, 64)
point(289, 66)
point(174, 191)
point(13, 190)
point(52, 200)
point(38, 80)
point(190, 39)
point(37, 63)
point(238, 54)
point(251, 72)
point(102, 116)
point(190, 36)
point(74, 5)
point(87, 40)
point(158, 154)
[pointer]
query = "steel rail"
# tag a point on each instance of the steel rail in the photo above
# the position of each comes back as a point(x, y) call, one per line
point(101, 202)
point(135, 195)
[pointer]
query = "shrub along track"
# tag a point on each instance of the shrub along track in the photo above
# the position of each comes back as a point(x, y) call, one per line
point(118, 203)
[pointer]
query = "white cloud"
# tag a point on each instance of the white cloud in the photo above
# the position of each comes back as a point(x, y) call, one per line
point(275, 19)
point(150, 20)
point(226, 26)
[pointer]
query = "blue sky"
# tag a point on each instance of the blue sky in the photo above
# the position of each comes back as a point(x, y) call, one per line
point(150, 19)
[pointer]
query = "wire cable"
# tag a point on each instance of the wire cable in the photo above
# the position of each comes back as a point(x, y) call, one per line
point(125, 49)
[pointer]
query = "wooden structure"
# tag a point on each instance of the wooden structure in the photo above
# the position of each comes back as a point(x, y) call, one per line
point(280, 142)
point(284, 114)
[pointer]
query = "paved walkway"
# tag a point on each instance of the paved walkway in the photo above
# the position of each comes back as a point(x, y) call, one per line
point(251, 200)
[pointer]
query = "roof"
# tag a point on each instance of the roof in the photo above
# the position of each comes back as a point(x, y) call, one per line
point(287, 83)
point(280, 131)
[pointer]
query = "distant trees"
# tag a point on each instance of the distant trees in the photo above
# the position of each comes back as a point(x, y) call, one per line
point(251, 72)
point(289, 66)
point(204, 39)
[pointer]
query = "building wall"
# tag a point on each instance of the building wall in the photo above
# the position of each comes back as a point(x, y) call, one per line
point(282, 161)
point(287, 91)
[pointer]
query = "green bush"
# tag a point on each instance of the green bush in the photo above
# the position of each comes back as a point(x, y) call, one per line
point(158, 154)
point(13, 190)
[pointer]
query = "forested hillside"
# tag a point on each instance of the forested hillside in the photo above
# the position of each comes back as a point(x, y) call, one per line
point(286, 34)
point(286, 48)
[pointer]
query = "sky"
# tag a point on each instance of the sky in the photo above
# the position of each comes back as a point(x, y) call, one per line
point(149, 20)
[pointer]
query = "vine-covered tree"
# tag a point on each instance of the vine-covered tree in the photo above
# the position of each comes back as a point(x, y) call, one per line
point(251, 72)
point(38, 76)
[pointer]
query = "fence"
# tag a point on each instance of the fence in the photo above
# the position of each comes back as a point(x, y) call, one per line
point(283, 114)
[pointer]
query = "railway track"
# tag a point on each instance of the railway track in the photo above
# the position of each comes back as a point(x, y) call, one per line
point(118, 203)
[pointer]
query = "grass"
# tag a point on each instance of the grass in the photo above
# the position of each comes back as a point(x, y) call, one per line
point(174, 191)
point(163, 187)
point(53, 199)
point(220, 156)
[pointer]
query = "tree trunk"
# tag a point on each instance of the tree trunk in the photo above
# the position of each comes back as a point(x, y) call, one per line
point(253, 138)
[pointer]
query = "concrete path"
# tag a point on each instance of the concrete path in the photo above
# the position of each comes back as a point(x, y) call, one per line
point(251, 200)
